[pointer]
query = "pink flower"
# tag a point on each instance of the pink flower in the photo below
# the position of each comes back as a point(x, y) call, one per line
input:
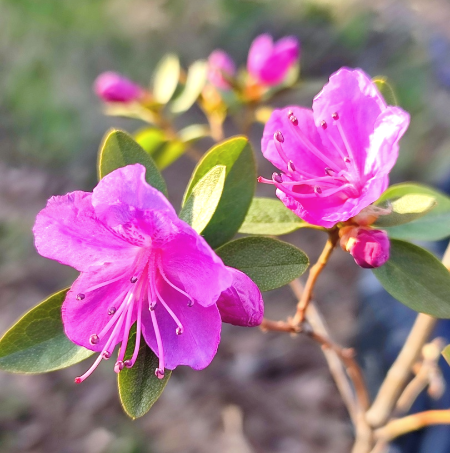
point(141, 264)
point(113, 87)
point(336, 157)
point(220, 64)
point(269, 62)
point(369, 248)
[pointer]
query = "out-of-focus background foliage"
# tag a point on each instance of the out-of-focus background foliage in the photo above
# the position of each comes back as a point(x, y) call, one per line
point(50, 127)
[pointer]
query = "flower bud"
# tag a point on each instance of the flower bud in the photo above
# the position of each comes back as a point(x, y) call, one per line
point(369, 248)
point(113, 87)
point(269, 62)
point(221, 67)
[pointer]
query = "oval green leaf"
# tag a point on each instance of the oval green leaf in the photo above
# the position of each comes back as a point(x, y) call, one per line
point(417, 279)
point(204, 199)
point(405, 209)
point(268, 216)
point(167, 74)
point(37, 342)
point(432, 226)
point(237, 156)
point(269, 262)
point(118, 150)
point(139, 388)
point(446, 353)
point(196, 80)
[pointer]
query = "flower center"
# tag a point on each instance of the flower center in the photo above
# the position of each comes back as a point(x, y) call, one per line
point(341, 174)
point(141, 293)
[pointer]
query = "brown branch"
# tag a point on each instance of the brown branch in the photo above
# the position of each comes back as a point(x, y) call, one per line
point(400, 426)
point(314, 273)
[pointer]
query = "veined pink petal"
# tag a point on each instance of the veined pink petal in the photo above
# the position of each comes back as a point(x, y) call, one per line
point(198, 271)
point(198, 343)
point(67, 230)
point(241, 304)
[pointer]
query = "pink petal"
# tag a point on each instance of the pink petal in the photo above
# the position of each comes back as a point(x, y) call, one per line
point(67, 230)
point(388, 130)
point(113, 87)
point(198, 344)
point(220, 63)
point(88, 314)
point(242, 303)
point(260, 49)
point(353, 95)
point(124, 190)
point(191, 265)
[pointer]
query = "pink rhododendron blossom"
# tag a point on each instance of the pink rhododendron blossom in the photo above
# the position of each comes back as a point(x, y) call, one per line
point(141, 264)
point(370, 248)
point(113, 87)
point(336, 157)
point(220, 66)
point(269, 62)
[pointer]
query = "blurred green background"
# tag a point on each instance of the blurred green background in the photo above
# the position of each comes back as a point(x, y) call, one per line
point(51, 125)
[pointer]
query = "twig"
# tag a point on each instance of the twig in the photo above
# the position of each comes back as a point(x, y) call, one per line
point(314, 273)
point(397, 376)
point(413, 422)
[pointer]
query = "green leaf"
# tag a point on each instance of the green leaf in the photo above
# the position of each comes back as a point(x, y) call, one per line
point(405, 209)
point(204, 199)
point(417, 279)
point(434, 225)
point(119, 150)
point(269, 216)
point(269, 262)
point(446, 353)
point(386, 90)
point(151, 139)
point(139, 388)
point(169, 153)
point(196, 80)
point(166, 78)
point(37, 342)
point(237, 156)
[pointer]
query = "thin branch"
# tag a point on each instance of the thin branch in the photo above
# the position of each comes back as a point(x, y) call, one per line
point(314, 273)
point(400, 371)
point(400, 426)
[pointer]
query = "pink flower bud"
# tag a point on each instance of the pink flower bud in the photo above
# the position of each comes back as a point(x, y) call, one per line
point(269, 62)
point(113, 87)
point(370, 248)
point(221, 66)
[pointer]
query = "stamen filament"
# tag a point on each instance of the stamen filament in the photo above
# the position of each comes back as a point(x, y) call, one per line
point(80, 379)
point(101, 285)
point(163, 275)
point(158, 337)
point(126, 332)
point(348, 147)
point(171, 313)
point(114, 317)
point(138, 335)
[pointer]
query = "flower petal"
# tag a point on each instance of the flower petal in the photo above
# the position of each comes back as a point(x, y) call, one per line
point(353, 95)
point(88, 316)
point(299, 150)
point(190, 264)
point(120, 193)
point(242, 303)
point(67, 230)
point(260, 49)
point(389, 128)
point(198, 344)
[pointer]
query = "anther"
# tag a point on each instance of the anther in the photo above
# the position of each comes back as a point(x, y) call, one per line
point(152, 306)
point(291, 166)
point(317, 190)
point(77, 380)
point(190, 303)
point(278, 136)
point(106, 355)
point(277, 178)
point(179, 331)
point(159, 373)
point(133, 279)
point(329, 171)
point(292, 118)
point(347, 160)
point(128, 363)
point(335, 116)
point(94, 339)
point(80, 296)
point(111, 310)
point(323, 124)
point(118, 367)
